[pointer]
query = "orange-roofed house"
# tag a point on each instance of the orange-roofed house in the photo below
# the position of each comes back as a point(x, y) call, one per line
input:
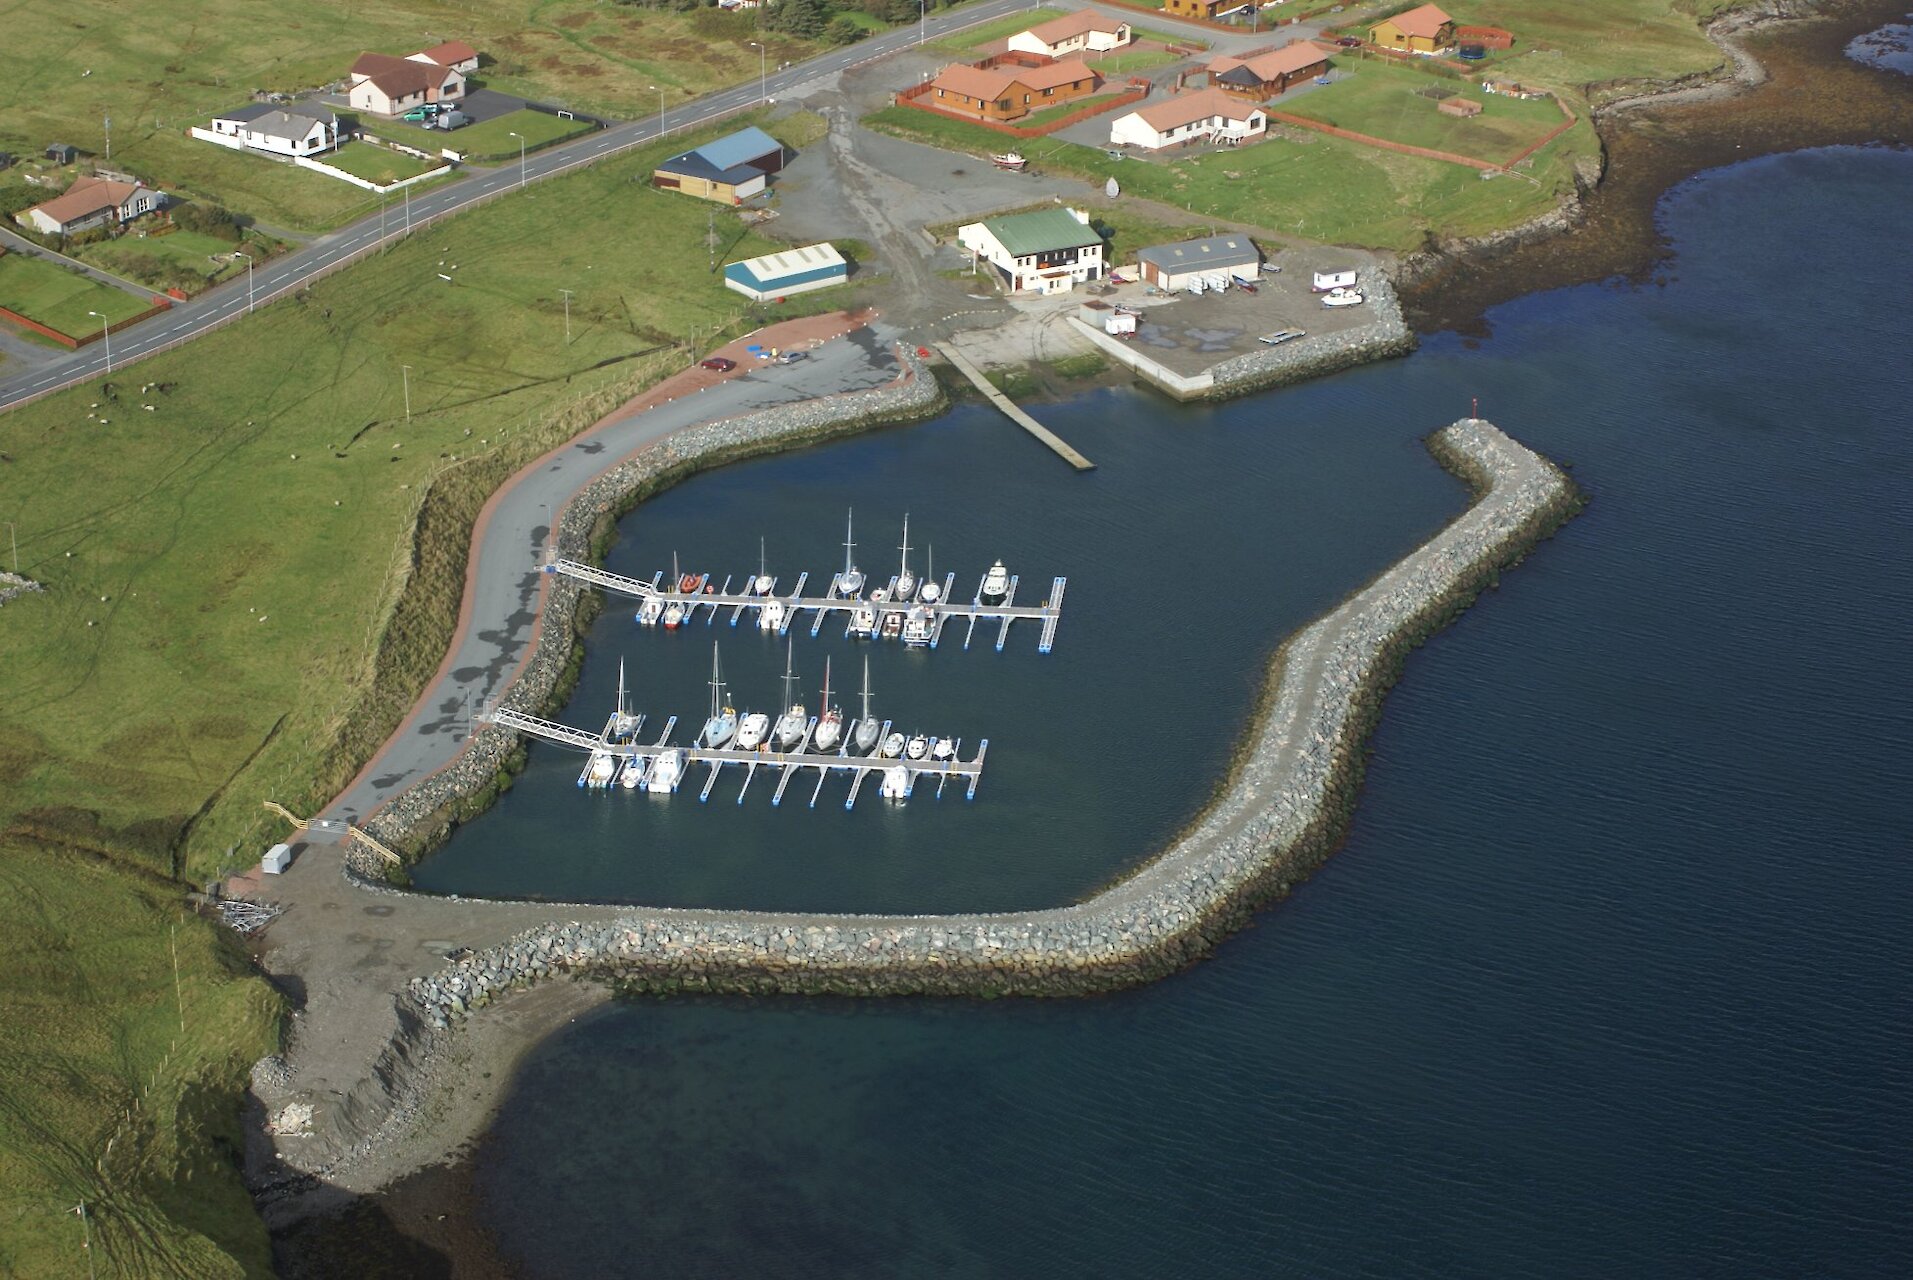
point(387, 85)
point(1205, 9)
point(1264, 75)
point(1086, 31)
point(88, 203)
point(1006, 93)
point(1207, 115)
point(455, 54)
point(1423, 30)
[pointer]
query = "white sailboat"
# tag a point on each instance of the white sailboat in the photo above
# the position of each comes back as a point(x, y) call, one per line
point(674, 612)
point(867, 727)
point(791, 725)
point(906, 580)
point(722, 725)
point(931, 592)
point(996, 584)
point(761, 585)
point(850, 582)
point(623, 723)
point(830, 720)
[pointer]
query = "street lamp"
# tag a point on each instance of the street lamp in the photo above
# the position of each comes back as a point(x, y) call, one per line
point(660, 94)
point(521, 154)
point(763, 71)
point(106, 334)
point(248, 281)
point(923, 19)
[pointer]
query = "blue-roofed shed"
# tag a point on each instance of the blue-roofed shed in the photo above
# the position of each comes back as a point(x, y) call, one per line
point(729, 170)
point(751, 146)
point(778, 275)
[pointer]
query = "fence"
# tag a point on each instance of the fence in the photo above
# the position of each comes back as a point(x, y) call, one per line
point(1486, 37)
point(912, 96)
point(319, 166)
point(1430, 153)
point(72, 343)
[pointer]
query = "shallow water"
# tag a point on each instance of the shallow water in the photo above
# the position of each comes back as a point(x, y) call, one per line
point(1611, 976)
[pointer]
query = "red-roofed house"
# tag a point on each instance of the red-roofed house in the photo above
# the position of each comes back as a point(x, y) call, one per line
point(1005, 93)
point(1086, 31)
point(89, 203)
point(1189, 117)
point(388, 86)
point(1423, 30)
point(453, 53)
point(1263, 75)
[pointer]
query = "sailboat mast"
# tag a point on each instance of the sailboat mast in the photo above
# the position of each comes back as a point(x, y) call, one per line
point(620, 688)
point(826, 703)
point(717, 684)
point(849, 546)
point(789, 679)
point(866, 686)
point(906, 545)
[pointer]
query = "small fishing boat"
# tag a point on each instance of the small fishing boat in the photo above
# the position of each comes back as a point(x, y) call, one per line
point(751, 730)
point(893, 746)
point(771, 616)
point(673, 616)
point(761, 585)
point(602, 769)
point(906, 580)
point(666, 771)
point(688, 583)
point(918, 747)
point(1281, 336)
point(930, 592)
point(996, 584)
point(650, 611)
point(867, 728)
point(830, 720)
point(722, 725)
point(1342, 298)
point(892, 625)
point(878, 595)
point(920, 626)
point(863, 620)
point(791, 725)
point(850, 583)
point(896, 783)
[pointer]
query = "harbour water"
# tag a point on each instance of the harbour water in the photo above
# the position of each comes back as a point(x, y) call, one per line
point(1611, 976)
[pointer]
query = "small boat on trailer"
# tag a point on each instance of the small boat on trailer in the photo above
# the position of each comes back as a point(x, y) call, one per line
point(1014, 161)
point(1281, 336)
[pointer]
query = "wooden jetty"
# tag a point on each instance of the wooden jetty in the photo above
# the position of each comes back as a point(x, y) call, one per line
point(787, 764)
point(1014, 414)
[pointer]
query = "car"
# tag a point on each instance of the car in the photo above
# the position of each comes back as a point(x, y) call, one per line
point(1473, 52)
point(426, 112)
point(790, 357)
point(1349, 42)
point(718, 363)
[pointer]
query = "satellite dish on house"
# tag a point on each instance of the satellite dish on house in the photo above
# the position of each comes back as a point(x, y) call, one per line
point(1111, 189)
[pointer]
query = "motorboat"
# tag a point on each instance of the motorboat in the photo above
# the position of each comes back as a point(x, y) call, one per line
point(633, 775)
point(942, 749)
point(896, 783)
point(919, 626)
point(918, 747)
point(791, 725)
point(673, 616)
point(650, 611)
point(688, 583)
point(892, 625)
point(893, 746)
point(761, 585)
point(830, 720)
point(752, 729)
point(867, 727)
point(1281, 336)
point(850, 583)
point(602, 769)
point(1342, 298)
point(722, 726)
point(996, 584)
point(863, 620)
point(930, 592)
point(878, 595)
point(771, 616)
point(1011, 160)
point(666, 772)
point(906, 580)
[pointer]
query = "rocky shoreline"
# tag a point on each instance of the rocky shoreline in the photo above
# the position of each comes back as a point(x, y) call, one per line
point(1281, 815)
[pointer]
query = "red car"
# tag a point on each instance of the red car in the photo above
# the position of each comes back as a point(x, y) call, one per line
point(1349, 42)
point(719, 363)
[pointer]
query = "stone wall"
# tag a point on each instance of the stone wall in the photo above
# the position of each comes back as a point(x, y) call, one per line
point(1386, 335)
point(13, 585)
point(1282, 813)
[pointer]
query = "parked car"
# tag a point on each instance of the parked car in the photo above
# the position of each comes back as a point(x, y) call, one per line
point(420, 114)
point(719, 363)
point(790, 357)
point(1349, 42)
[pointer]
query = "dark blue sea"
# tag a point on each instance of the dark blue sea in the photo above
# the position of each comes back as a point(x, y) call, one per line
point(1613, 974)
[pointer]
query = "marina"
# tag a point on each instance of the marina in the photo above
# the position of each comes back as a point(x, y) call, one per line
point(911, 608)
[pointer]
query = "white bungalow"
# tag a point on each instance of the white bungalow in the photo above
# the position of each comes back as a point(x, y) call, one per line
point(1207, 115)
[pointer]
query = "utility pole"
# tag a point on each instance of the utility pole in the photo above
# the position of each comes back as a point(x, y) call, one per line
point(405, 371)
point(407, 193)
point(108, 127)
point(923, 19)
point(179, 990)
point(15, 537)
point(86, 1228)
point(567, 294)
point(249, 261)
point(381, 222)
point(710, 238)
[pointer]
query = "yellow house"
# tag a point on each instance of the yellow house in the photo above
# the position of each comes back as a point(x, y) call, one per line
point(1423, 30)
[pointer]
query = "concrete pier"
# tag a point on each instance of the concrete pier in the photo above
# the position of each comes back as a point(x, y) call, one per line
point(1014, 414)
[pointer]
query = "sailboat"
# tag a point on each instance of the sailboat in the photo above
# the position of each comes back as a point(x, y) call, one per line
point(906, 580)
point(791, 725)
point(761, 585)
point(623, 723)
point(931, 592)
point(850, 582)
point(674, 612)
point(719, 729)
point(830, 720)
point(867, 728)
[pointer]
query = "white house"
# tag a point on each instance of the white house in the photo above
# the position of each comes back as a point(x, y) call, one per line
point(89, 203)
point(1050, 251)
point(455, 54)
point(1189, 117)
point(388, 86)
point(1085, 31)
point(301, 130)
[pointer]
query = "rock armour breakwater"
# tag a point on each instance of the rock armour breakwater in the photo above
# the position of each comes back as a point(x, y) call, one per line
point(1282, 814)
point(1311, 357)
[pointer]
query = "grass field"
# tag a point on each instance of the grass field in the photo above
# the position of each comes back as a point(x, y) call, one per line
point(971, 41)
point(188, 260)
point(61, 298)
point(377, 164)
point(492, 140)
point(1386, 101)
point(226, 621)
point(1314, 186)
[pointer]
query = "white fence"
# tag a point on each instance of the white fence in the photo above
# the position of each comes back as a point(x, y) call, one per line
point(319, 166)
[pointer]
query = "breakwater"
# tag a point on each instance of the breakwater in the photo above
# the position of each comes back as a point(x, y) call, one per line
point(1282, 812)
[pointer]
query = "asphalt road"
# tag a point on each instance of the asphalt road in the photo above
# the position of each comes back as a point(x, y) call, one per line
point(188, 320)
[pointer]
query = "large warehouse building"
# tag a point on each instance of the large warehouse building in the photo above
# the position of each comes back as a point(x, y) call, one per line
point(778, 275)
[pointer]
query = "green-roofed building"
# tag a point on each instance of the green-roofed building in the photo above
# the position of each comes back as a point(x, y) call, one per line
point(1049, 251)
